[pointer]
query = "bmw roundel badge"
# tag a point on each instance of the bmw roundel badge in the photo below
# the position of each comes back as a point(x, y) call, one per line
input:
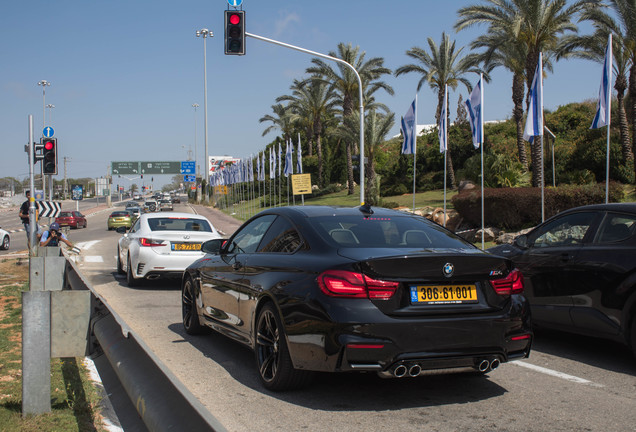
point(448, 269)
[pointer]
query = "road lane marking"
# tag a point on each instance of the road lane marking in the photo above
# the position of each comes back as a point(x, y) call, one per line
point(557, 374)
point(87, 245)
point(93, 259)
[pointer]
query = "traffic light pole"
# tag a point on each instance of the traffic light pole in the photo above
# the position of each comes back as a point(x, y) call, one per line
point(328, 57)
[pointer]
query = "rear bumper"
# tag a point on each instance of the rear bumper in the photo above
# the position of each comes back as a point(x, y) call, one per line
point(433, 344)
point(152, 265)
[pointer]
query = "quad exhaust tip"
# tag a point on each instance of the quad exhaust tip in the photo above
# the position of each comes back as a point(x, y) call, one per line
point(399, 371)
point(415, 370)
point(484, 365)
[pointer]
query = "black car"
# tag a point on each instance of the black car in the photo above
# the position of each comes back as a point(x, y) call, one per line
point(580, 271)
point(330, 289)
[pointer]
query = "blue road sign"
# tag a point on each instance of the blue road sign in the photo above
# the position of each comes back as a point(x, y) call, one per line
point(187, 167)
point(48, 132)
point(235, 3)
point(189, 178)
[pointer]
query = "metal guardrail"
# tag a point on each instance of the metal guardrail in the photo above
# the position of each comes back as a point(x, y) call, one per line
point(161, 400)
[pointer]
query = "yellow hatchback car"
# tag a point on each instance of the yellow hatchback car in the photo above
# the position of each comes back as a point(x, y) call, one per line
point(118, 219)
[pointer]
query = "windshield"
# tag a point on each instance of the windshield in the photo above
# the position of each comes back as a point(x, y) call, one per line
point(385, 232)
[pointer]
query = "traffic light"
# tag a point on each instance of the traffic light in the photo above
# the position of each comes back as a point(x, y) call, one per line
point(234, 32)
point(49, 155)
point(37, 151)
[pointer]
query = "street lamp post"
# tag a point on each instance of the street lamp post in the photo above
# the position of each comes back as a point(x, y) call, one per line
point(205, 33)
point(197, 195)
point(50, 107)
point(43, 83)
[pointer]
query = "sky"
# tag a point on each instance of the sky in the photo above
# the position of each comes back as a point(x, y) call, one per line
point(125, 74)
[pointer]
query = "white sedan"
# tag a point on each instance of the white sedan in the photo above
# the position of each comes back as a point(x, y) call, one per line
point(5, 240)
point(162, 246)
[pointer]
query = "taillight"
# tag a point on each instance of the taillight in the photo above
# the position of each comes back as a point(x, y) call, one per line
point(151, 242)
point(347, 284)
point(511, 284)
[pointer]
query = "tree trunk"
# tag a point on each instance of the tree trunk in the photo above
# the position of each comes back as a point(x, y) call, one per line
point(450, 172)
point(449, 168)
point(517, 113)
point(632, 92)
point(319, 153)
point(626, 142)
point(347, 109)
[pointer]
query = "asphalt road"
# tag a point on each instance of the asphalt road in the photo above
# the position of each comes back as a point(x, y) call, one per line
point(569, 383)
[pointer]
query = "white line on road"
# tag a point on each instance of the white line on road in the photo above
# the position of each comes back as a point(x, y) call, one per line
point(557, 374)
point(87, 245)
point(93, 259)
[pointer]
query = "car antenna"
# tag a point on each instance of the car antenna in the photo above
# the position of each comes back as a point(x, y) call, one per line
point(366, 209)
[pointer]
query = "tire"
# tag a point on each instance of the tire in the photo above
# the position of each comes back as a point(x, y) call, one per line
point(5, 243)
point(189, 314)
point(272, 356)
point(130, 277)
point(120, 269)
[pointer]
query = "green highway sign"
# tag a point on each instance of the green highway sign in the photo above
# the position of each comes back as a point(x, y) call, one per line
point(160, 167)
point(124, 168)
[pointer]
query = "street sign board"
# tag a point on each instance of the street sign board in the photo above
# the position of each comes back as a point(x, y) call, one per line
point(77, 192)
point(187, 167)
point(160, 167)
point(301, 184)
point(48, 132)
point(49, 208)
point(124, 168)
point(189, 178)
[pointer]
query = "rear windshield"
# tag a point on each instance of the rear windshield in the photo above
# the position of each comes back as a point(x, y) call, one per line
point(380, 232)
point(178, 224)
point(119, 214)
point(66, 214)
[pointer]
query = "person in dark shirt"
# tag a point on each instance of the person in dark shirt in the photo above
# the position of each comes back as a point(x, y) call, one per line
point(24, 215)
point(53, 237)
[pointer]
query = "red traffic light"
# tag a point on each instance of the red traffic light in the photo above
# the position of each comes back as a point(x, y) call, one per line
point(235, 19)
point(48, 145)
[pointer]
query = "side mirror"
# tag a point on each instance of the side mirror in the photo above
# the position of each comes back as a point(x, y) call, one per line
point(213, 246)
point(121, 229)
point(522, 241)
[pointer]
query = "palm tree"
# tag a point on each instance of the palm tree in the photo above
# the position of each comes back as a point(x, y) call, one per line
point(623, 30)
point(281, 120)
point(345, 84)
point(377, 127)
point(313, 103)
point(538, 26)
point(443, 66)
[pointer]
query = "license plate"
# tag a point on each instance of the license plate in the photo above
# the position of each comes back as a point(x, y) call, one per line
point(186, 246)
point(443, 294)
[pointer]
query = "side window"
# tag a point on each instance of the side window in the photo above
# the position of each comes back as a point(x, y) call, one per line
point(616, 227)
point(282, 237)
point(250, 236)
point(564, 231)
point(135, 227)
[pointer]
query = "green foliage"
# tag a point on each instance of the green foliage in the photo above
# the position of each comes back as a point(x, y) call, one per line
point(500, 170)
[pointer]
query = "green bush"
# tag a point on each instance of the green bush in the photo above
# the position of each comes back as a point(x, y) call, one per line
point(516, 208)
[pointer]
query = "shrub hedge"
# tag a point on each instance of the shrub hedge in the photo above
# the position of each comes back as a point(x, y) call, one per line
point(517, 208)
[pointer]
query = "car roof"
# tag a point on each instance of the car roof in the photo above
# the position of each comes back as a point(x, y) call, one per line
point(619, 207)
point(172, 215)
point(317, 211)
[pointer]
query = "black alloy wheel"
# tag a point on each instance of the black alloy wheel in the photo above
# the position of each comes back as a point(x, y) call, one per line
point(5, 243)
point(272, 356)
point(130, 278)
point(189, 314)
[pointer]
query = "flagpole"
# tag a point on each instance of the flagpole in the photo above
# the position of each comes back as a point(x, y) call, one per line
point(445, 144)
point(541, 139)
point(481, 144)
point(609, 111)
point(414, 151)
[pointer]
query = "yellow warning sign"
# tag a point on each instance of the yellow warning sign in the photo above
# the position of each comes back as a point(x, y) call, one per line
point(301, 184)
point(220, 190)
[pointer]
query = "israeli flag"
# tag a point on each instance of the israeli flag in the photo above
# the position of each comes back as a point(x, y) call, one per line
point(602, 117)
point(474, 107)
point(289, 166)
point(280, 153)
point(299, 158)
point(272, 163)
point(409, 129)
point(534, 122)
point(443, 123)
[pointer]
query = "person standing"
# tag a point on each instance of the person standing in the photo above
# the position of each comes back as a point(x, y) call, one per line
point(24, 215)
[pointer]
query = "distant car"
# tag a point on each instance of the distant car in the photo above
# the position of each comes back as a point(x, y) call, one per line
point(5, 239)
point(73, 219)
point(158, 245)
point(135, 212)
point(120, 218)
point(131, 204)
point(137, 197)
point(150, 206)
point(176, 199)
point(334, 289)
point(580, 271)
point(165, 204)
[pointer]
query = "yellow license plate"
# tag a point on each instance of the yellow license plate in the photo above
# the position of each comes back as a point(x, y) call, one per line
point(186, 246)
point(443, 294)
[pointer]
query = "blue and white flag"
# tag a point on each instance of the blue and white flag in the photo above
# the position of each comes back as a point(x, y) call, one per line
point(409, 129)
point(280, 153)
point(272, 163)
point(474, 105)
point(443, 123)
point(299, 158)
point(258, 167)
point(289, 165)
point(262, 174)
point(602, 117)
point(534, 122)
